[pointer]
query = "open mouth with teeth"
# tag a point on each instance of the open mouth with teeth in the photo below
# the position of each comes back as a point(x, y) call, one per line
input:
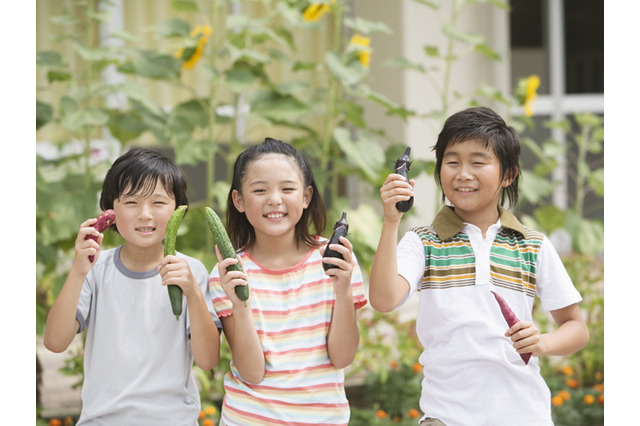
point(145, 229)
point(465, 189)
point(275, 215)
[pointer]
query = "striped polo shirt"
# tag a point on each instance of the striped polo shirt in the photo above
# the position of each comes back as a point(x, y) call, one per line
point(451, 261)
point(292, 311)
point(472, 373)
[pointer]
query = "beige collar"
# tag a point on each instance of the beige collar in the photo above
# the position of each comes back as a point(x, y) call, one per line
point(447, 223)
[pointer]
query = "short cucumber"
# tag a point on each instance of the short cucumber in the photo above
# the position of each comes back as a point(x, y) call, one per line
point(175, 292)
point(226, 248)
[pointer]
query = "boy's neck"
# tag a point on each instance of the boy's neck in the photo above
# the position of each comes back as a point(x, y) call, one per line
point(138, 259)
point(483, 222)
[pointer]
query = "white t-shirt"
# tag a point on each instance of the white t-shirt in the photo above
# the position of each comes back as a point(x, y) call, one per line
point(472, 373)
point(138, 361)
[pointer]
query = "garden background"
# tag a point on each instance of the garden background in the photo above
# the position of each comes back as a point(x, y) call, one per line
point(199, 80)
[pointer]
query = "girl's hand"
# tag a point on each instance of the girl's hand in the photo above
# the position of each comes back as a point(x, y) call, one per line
point(341, 276)
point(175, 270)
point(526, 338)
point(87, 247)
point(393, 190)
point(230, 279)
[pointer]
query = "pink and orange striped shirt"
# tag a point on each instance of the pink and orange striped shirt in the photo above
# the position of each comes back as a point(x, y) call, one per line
point(291, 309)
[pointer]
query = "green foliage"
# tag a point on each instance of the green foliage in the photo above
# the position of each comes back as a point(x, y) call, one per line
point(585, 137)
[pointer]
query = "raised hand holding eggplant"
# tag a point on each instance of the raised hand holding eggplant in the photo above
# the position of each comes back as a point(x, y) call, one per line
point(403, 163)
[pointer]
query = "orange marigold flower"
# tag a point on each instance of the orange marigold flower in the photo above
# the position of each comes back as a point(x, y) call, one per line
point(210, 410)
point(567, 370)
point(208, 422)
point(55, 422)
point(589, 399)
point(597, 375)
point(201, 415)
point(565, 395)
point(417, 367)
point(557, 401)
point(601, 399)
point(381, 414)
point(599, 387)
point(572, 383)
point(414, 414)
point(68, 421)
point(393, 364)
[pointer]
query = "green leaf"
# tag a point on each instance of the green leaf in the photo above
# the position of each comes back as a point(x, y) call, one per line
point(432, 51)
point(534, 188)
point(95, 54)
point(154, 65)
point(184, 6)
point(125, 126)
point(347, 75)
point(53, 76)
point(94, 117)
point(272, 105)
point(364, 152)
point(550, 218)
point(49, 59)
point(44, 113)
point(487, 51)
point(172, 28)
point(186, 116)
point(596, 181)
point(405, 64)
point(365, 26)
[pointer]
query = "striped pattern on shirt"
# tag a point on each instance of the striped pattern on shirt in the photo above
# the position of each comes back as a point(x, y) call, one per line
point(292, 310)
point(451, 263)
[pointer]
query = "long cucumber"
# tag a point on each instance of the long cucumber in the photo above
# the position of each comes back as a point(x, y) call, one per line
point(226, 248)
point(175, 292)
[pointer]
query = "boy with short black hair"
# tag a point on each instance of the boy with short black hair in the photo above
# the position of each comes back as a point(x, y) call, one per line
point(473, 372)
point(138, 358)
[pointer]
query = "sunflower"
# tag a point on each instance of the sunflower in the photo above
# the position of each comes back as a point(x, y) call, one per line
point(191, 55)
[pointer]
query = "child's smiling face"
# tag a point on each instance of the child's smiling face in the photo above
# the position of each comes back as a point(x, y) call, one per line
point(471, 179)
point(273, 195)
point(142, 218)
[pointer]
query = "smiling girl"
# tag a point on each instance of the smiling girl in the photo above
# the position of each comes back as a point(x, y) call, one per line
point(298, 329)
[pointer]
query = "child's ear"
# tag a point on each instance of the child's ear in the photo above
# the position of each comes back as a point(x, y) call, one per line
point(237, 200)
point(308, 195)
point(509, 177)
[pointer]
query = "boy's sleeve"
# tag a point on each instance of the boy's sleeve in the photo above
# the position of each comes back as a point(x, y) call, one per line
point(84, 303)
point(411, 261)
point(553, 284)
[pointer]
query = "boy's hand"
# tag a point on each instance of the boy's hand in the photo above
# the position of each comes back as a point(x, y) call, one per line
point(175, 270)
point(85, 247)
point(341, 276)
point(230, 279)
point(395, 189)
point(526, 338)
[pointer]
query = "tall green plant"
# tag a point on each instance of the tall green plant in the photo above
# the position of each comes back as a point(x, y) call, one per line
point(68, 179)
point(585, 135)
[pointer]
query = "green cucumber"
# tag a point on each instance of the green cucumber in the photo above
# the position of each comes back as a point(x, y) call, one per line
point(226, 248)
point(175, 292)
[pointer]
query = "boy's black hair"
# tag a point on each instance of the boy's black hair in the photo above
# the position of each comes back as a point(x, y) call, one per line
point(484, 125)
point(140, 170)
point(241, 233)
